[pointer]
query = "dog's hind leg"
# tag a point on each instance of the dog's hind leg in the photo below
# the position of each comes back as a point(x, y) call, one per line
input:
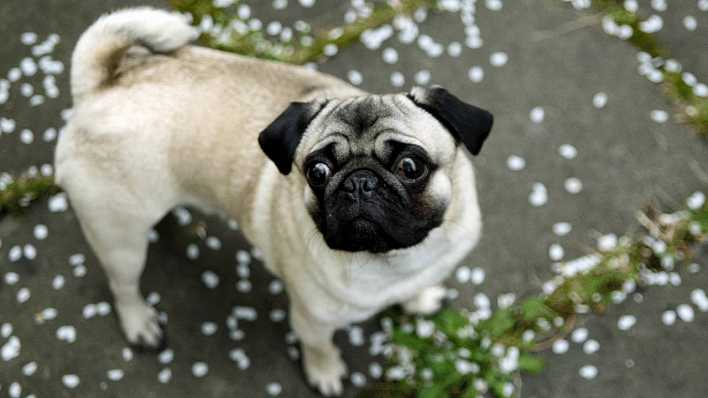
point(116, 225)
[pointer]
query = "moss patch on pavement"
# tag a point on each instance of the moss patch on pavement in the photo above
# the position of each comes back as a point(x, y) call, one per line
point(691, 108)
point(466, 353)
point(227, 31)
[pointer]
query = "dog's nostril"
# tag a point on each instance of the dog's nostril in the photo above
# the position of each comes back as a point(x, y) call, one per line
point(368, 183)
point(360, 182)
point(349, 185)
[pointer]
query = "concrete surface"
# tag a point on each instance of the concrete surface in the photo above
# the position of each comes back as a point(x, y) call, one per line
point(556, 60)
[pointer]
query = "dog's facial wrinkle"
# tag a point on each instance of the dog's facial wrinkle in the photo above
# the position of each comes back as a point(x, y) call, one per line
point(398, 213)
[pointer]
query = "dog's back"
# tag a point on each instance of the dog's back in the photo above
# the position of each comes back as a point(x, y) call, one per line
point(137, 84)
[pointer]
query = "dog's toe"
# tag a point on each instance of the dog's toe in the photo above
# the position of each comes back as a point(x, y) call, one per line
point(142, 328)
point(325, 373)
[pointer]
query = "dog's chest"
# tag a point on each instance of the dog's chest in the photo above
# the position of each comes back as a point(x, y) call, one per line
point(362, 285)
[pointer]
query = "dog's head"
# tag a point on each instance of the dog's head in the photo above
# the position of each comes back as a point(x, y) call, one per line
point(376, 170)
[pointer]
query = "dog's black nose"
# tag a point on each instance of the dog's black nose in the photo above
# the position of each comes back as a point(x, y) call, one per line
point(360, 182)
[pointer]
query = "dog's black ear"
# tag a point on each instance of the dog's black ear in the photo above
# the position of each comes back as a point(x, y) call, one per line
point(467, 123)
point(280, 139)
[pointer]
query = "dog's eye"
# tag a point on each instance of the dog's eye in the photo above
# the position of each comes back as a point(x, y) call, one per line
point(318, 174)
point(410, 168)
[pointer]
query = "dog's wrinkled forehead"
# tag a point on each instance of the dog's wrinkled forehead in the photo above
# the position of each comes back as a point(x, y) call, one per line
point(364, 126)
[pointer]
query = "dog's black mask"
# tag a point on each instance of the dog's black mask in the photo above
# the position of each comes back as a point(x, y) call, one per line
point(369, 206)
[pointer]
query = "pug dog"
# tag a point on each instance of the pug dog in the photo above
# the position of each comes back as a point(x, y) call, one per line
point(358, 201)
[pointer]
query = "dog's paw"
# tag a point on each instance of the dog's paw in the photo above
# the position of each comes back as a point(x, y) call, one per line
point(325, 371)
point(428, 301)
point(141, 326)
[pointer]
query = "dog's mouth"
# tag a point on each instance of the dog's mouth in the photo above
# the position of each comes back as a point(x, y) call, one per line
point(359, 234)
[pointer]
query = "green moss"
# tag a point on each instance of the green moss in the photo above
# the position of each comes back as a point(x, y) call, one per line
point(20, 193)
point(456, 337)
point(692, 110)
point(294, 51)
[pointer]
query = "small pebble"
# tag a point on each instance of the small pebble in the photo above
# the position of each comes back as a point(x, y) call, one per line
point(625, 322)
point(685, 312)
point(29, 251)
point(454, 49)
point(538, 196)
point(498, 59)
point(562, 228)
point(355, 77)
point(375, 370)
point(560, 346)
point(210, 279)
point(696, 200)
point(79, 271)
point(607, 242)
point(23, 295)
point(477, 276)
point(213, 243)
point(58, 282)
point(588, 372)
point(556, 252)
point(115, 374)
point(475, 74)
point(243, 257)
point(164, 376)
point(192, 251)
point(153, 298)
point(274, 389)
point(699, 299)
point(243, 286)
point(29, 368)
point(591, 346)
point(70, 381)
point(209, 328)
point(6, 330)
point(668, 317)
point(89, 311)
point(567, 151)
point(579, 335)
point(15, 390)
point(66, 333)
point(599, 100)
point(422, 77)
point(14, 254)
point(28, 38)
point(515, 163)
point(40, 231)
point(11, 349)
point(573, 185)
point(11, 278)
point(200, 369)
point(690, 23)
point(166, 356)
point(275, 287)
point(397, 79)
point(659, 116)
point(390, 55)
point(358, 379)
point(26, 136)
point(58, 203)
point(127, 354)
point(537, 114)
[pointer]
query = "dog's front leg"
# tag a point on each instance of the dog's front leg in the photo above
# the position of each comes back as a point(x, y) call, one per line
point(427, 301)
point(323, 364)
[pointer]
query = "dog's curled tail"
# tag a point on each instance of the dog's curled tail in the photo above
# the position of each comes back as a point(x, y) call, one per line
point(101, 47)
